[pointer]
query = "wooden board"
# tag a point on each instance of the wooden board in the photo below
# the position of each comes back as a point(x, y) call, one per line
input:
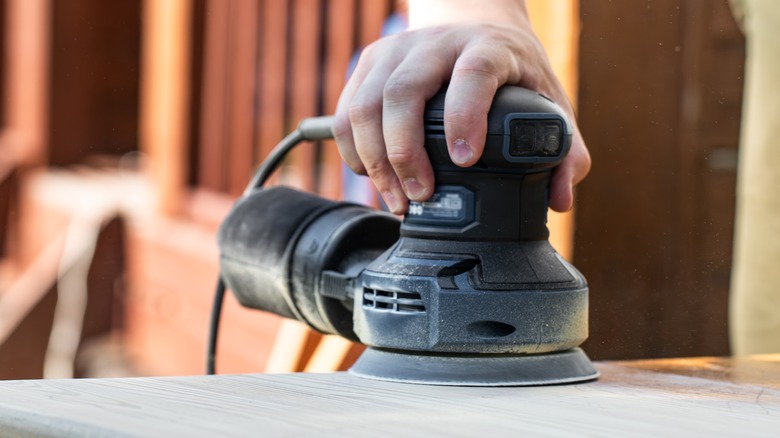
point(703, 397)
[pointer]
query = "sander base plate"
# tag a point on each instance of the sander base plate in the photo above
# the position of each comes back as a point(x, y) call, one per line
point(569, 366)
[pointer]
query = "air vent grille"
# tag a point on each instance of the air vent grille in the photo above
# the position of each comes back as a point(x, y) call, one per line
point(434, 126)
point(391, 301)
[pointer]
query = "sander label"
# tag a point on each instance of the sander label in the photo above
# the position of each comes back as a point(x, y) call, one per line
point(452, 206)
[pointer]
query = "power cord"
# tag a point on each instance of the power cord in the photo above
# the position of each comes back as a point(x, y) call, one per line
point(314, 129)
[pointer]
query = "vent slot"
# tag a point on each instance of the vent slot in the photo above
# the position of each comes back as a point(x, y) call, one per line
point(434, 126)
point(391, 301)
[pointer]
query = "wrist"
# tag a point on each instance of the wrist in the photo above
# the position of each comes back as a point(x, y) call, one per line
point(429, 13)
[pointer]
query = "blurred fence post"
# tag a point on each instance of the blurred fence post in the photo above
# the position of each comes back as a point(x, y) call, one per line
point(165, 97)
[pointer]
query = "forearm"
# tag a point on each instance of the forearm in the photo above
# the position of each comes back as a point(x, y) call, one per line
point(427, 13)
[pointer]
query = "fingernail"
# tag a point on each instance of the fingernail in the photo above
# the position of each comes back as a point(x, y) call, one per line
point(461, 153)
point(414, 190)
point(391, 201)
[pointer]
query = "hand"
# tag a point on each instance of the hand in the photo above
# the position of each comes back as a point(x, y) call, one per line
point(379, 118)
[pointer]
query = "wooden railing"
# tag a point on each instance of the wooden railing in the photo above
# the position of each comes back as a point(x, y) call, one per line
point(225, 80)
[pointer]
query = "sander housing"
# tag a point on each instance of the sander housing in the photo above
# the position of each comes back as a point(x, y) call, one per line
point(466, 290)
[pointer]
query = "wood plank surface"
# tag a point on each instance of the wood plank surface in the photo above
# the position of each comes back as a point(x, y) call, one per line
point(702, 397)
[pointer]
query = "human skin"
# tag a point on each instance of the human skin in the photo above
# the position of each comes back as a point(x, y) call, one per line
point(475, 46)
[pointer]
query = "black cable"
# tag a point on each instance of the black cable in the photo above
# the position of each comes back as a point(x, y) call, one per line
point(216, 313)
point(315, 128)
point(273, 161)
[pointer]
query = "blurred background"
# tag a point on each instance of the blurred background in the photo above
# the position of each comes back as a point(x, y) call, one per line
point(128, 128)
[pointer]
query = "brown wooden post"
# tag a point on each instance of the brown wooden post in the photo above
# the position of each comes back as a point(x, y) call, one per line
point(27, 27)
point(243, 60)
point(272, 73)
point(372, 14)
point(213, 132)
point(304, 85)
point(165, 97)
point(340, 35)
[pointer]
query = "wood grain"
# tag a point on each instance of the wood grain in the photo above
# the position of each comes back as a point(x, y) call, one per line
point(630, 398)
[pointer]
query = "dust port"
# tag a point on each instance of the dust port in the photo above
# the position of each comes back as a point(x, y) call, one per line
point(490, 329)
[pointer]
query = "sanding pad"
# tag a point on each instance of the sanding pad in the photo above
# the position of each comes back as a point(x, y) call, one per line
point(568, 366)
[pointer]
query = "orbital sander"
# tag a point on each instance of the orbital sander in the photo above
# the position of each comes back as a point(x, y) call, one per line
point(466, 290)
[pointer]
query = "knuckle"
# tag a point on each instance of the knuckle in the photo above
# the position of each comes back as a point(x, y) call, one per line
point(401, 157)
point(363, 111)
point(369, 53)
point(580, 162)
point(585, 165)
point(460, 118)
point(478, 64)
point(376, 169)
point(400, 87)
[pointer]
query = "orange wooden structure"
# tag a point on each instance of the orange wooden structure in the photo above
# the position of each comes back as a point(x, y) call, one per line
point(210, 86)
point(254, 89)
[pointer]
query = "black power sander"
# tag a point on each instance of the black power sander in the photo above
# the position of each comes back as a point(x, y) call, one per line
point(467, 290)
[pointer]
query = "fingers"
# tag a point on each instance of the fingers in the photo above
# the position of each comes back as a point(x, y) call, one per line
point(342, 128)
point(365, 114)
point(380, 115)
point(415, 80)
point(475, 79)
point(379, 118)
point(357, 126)
point(576, 165)
point(569, 173)
point(390, 99)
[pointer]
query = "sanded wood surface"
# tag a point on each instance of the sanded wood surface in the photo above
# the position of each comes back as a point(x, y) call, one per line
point(682, 397)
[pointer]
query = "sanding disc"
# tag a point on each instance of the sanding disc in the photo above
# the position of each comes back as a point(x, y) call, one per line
point(568, 366)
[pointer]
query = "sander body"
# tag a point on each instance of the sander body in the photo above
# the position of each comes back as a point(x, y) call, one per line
point(466, 290)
